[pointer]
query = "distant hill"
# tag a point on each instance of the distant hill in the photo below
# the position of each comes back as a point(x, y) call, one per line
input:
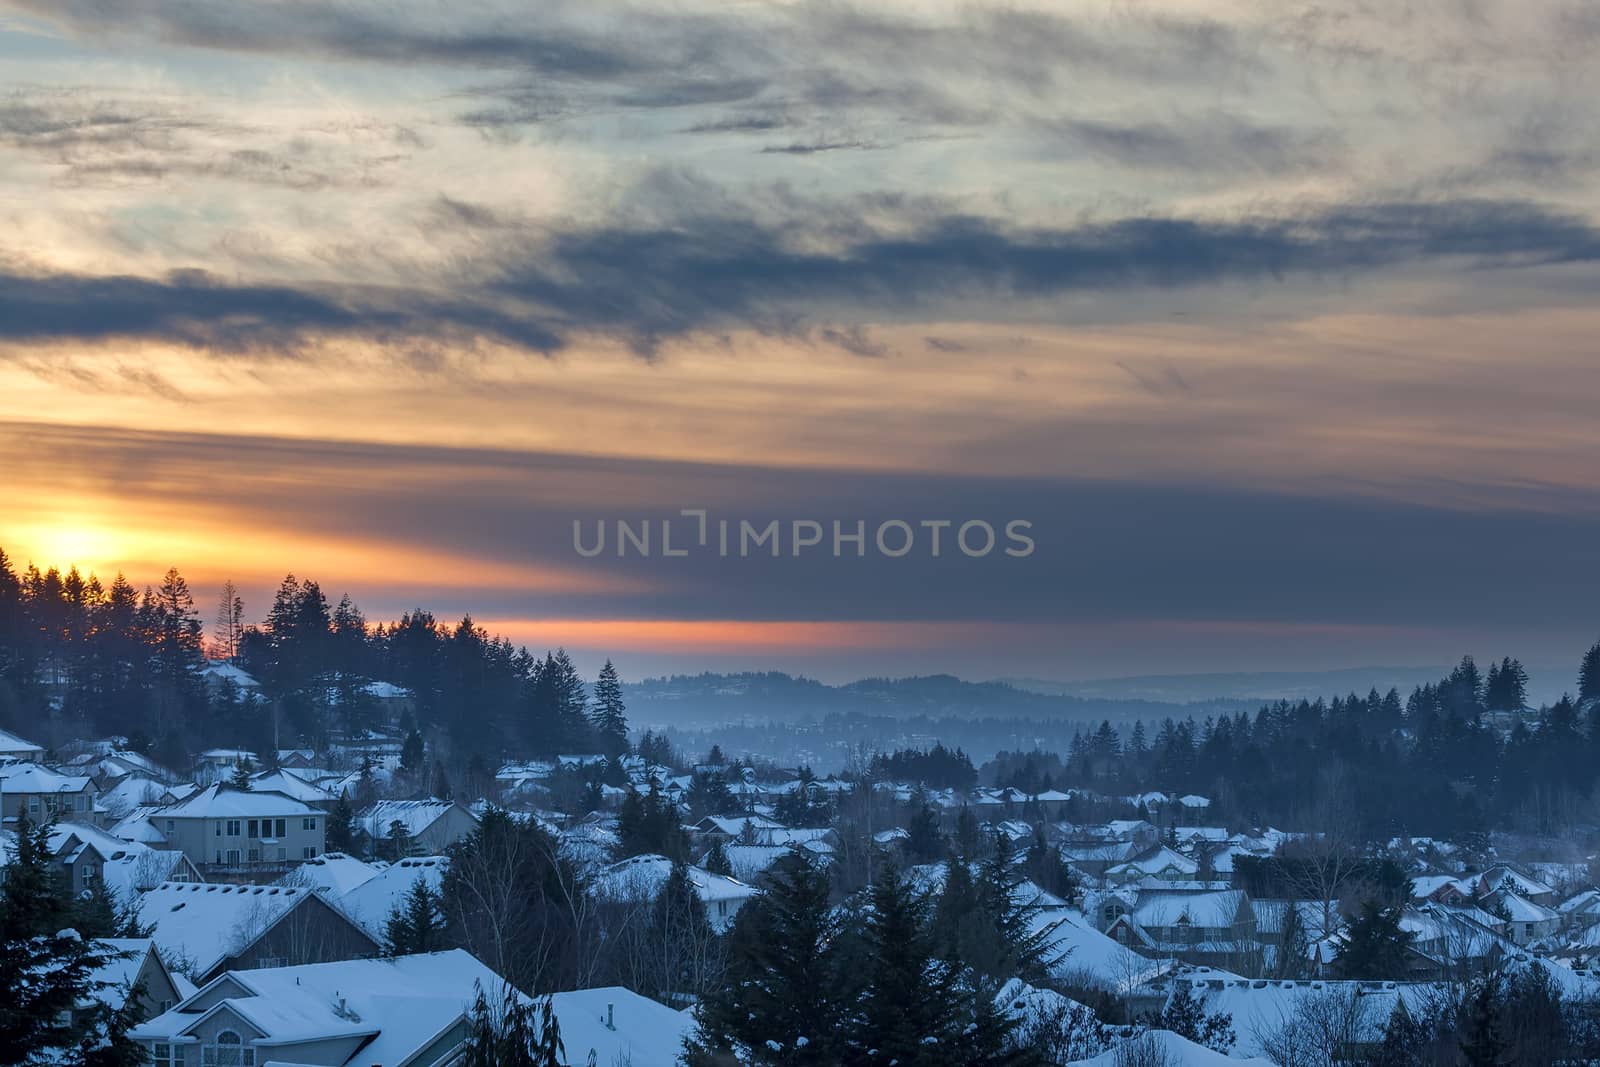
point(691, 701)
point(1253, 686)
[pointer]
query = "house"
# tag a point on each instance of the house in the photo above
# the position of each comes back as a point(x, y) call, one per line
point(333, 874)
point(430, 826)
point(1260, 1009)
point(1158, 862)
point(43, 793)
point(1523, 921)
point(217, 763)
point(639, 879)
point(13, 747)
point(206, 929)
point(1504, 876)
point(242, 831)
point(90, 856)
point(411, 1010)
point(1216, 926)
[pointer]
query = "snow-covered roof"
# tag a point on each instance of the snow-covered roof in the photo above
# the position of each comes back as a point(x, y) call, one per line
point(612, 1025)
point(291, 784)
point(642, 877)
point(333, 874)
point(1088, 957)
point(398, 1006)
point(33, 778)
point(143, 868)
point(1155, 861)
point(12, 745)
point(222, 801)
point(415, 815)
point(1498, 876)
point(223, 671)
point(1520, 909)
point(205, 922)
point(133, 791)
point(371, 902)
point(1173, 1049)
point(1211, 908)
point(386, 691)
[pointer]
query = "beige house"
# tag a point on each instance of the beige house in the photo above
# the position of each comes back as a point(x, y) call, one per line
point(222, 829)
point(44, 793)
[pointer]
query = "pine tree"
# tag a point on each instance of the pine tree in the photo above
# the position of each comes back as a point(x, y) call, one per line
point(1375, 945)
point(716, 859)
point(1293, 945)
point(609, 716)
point(51, 1010)
point(417, 923)
point(782, 1001)
point(241, 776)
point(411, 752)
point(911, 1008)
point(505, 1034)
point(1187, 1017)
point(397, 843)
point(1589, 674)
point(341, 833)
point(229, 626)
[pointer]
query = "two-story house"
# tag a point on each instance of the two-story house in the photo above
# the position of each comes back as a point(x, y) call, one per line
point(223, 829)
point(44, 794)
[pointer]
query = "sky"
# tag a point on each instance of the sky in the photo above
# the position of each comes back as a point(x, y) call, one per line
point(1273, 323)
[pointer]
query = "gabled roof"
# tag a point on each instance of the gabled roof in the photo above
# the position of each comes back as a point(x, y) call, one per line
point(34, 778)
point(333, 874)
point(220, 801)
point(415, 815)
point(401, 1004)
point(207, 923)
point(12, 745)
point(291, 784)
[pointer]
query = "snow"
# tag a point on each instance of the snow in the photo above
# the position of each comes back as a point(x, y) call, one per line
point(371, 902)
point(333, 874)
point(415, 815)
point(641, 878)
point(1088, 955)
point(12, 745)
point(32, 778)
point(205, 923)
point(643, 1032)
point(220, 801)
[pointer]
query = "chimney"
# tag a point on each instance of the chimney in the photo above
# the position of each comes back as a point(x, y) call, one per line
point(611, 1023)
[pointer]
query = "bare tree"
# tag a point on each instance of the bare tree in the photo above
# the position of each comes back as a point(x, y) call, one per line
point(1322, 1028)
point(229, 626)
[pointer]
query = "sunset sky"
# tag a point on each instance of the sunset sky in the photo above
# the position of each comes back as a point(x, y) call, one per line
point(1277, 321)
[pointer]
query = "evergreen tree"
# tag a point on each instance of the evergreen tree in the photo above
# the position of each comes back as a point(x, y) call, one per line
point(1293, 945)
point(609, 715)
point(240, 779)
point(441, 782)
point(1187, 1017)
point(782, 1001)
point(411, 752)
point(716, 858)
point(50, 1012)
point(416, 924)
point(911, 1009)
point(505, 1034)
point(1019, 946)
point(397, 843)
point(925, 844)
point(341, 832)
point(1589, 674)
point(1375, 946)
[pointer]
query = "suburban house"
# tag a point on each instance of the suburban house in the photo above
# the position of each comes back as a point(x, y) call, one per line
point(1214, 926)
point(90, 856)
point(430, 826)
point(639, 880)
point(43, 793)
point(222, 829)
point(1159, 862)
point(206, 929)
point(410, 1011)
point(298, 786)
point(15, 748)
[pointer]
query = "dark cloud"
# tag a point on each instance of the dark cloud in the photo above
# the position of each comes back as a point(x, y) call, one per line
point(815, 147)
point(1214, 142)
point(718, 271)
point(1105, 551)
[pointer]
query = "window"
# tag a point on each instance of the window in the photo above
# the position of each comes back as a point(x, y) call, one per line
point(255, 854)
point(309, 852)
point(283, 827)
point(252, 828)
point(172, 824)
point(233, 857)
point(233, 827)
point(228, 1051)
point(268, 962)
point(308, 824)
point(165, 1055)
point(219, 829)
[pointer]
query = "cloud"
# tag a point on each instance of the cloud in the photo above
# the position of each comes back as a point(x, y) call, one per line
point(715, 271)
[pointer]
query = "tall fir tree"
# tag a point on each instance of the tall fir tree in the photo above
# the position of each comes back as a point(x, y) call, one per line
point(416, 924)
point(609, 714)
